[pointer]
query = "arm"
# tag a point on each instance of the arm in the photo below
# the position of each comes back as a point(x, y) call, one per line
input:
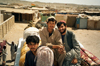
point(8, 43)
point(57, 40)
point(75, 51)
point(43, 38)
point(26, 61)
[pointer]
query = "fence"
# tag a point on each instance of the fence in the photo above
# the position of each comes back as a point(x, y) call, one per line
point(6, 26)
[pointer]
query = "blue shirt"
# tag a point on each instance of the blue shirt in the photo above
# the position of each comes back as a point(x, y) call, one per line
point(63, 38)
point(30, 59)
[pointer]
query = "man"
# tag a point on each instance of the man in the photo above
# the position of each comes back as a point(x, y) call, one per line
point(33, 43)
point(71, 45)
point(3, 52)
point(51, 37)
point(45, 56)
point(13, 50)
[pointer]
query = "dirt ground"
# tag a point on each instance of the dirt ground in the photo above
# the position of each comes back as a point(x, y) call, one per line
point(90, 39)
point(14, 34)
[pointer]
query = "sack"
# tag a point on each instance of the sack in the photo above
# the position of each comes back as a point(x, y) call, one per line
point(84, 63)
point(88, 59)
point(91, 56)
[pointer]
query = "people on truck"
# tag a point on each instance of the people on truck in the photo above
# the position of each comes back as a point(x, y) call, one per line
point(33, 43)
point(51, 37)
point(71, 45)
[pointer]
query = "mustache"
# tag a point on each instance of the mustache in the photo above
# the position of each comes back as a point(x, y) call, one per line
point(63, 31)
point(32, 48)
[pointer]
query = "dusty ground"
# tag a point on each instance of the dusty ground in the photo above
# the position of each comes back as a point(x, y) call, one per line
point(89, 38)
point(14, 34)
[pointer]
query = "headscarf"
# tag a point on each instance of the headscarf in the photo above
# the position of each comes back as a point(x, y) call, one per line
point(45, 56)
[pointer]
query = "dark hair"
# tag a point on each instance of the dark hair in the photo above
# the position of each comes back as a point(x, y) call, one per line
point(59, 24)
point(12, 42)
point(51, 19)
point(33, 39)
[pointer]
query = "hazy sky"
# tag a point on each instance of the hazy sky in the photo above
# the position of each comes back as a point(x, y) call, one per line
point(86, 2)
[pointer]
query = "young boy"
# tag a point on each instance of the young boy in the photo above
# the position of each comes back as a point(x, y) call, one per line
point(33, 43)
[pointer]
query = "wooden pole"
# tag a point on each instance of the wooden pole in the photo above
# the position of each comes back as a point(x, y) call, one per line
point(2, 32)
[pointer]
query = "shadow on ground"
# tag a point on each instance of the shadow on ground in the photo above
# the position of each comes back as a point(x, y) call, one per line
point(9, 61)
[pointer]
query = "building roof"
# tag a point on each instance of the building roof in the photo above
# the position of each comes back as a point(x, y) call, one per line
point(92, 11)
point(95, 18)
point(36, 8)
point(17, 10)
point(68, 11)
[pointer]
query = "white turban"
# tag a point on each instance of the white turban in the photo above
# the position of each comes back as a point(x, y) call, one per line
point(45, 56)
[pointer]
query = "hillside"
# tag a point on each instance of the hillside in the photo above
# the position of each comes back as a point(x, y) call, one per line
point(52, 5)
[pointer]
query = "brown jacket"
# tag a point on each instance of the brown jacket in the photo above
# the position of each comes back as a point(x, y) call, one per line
point(54, 39)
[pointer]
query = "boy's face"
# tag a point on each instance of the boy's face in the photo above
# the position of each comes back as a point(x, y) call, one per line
point(33, 46)
point(51, 24)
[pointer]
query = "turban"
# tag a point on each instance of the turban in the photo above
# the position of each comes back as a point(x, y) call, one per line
point(45, 56)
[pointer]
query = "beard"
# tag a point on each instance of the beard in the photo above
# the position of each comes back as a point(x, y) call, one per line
point(33, 49)
point(63, 31)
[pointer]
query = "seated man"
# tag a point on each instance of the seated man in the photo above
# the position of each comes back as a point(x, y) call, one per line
point(33, 43)
point(45, 56)
point(51, 37)
point(71, 45)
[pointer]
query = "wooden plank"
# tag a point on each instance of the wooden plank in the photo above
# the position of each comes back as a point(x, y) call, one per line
point(0, 31)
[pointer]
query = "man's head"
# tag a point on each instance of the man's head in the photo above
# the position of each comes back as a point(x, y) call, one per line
point(62, 26)
point(45, 56)
point(32, 42)
point(12, 43)
point(51, 21)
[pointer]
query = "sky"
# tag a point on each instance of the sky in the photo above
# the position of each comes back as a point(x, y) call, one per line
point(82, 2)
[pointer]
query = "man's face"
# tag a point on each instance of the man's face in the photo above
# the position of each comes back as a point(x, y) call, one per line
point(62, 29)
point(33, 46)
point(51, 24)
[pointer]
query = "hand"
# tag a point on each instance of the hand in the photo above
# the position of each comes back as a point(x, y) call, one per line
point(61, 50)
point(74, 61)
point(56, 46)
